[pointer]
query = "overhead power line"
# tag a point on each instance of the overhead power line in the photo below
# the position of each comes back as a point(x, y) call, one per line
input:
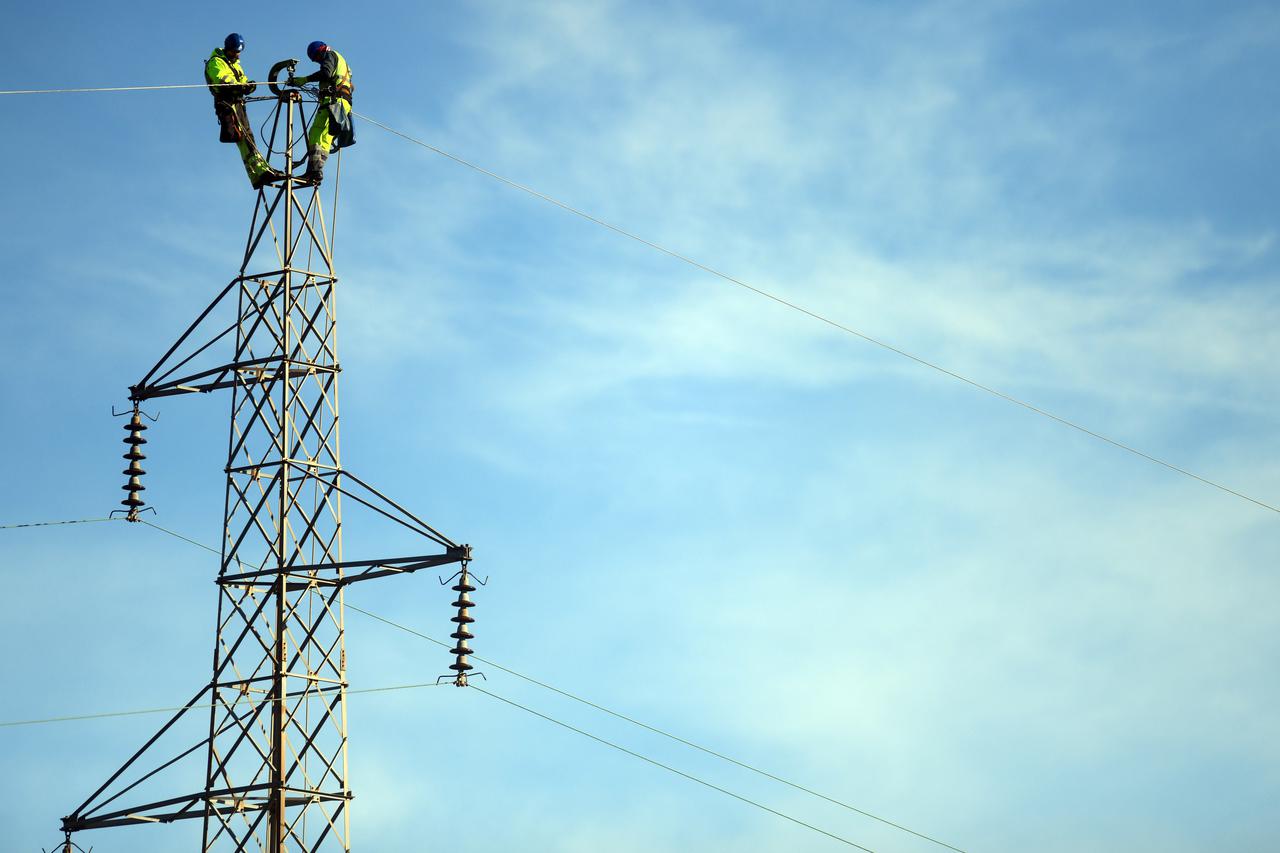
point(531, 680)
point(174, 708)
point(819, 317)
point(55, 523)
point(179, 536)
point(115, 89)
point(613, 713)
point(671, 769)
point(659, 731)
point(736, 281)
point(507, 670)
point(140, 711)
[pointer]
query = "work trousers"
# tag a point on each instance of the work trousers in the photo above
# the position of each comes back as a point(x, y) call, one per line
point(324, 129)
point(236, 128)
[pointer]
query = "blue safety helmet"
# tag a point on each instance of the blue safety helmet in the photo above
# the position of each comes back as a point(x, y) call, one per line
point(315, 49)
point(233, 43)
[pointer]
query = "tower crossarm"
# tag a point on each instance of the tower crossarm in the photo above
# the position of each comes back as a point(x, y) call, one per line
point(238, 373)
point(302, 576)
point(243, 798)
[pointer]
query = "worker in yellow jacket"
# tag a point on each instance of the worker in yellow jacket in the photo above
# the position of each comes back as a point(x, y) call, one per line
point(332, 127)
point(229, 85)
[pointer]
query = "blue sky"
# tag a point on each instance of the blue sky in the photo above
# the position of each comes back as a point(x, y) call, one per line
point(697, 507)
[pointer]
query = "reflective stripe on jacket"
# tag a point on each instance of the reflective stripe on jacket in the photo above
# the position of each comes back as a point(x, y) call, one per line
point(343, 87)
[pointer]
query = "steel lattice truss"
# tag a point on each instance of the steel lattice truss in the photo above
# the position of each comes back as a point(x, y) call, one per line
point(276, 750)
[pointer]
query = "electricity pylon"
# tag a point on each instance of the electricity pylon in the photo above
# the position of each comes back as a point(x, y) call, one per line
point(275, 756)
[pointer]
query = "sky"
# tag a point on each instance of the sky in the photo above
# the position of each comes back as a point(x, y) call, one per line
point(695, 506)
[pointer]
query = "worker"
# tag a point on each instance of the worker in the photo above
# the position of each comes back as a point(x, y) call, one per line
point(332, 127)
point(229, 85)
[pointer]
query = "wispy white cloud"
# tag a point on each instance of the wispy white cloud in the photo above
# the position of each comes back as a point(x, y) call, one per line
point(725, 169)
point(749, 528)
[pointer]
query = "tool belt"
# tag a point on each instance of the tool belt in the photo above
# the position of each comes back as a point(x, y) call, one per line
point(232, 120)
point(339, 90)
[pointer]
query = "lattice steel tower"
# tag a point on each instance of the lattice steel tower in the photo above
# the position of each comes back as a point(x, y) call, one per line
point(275, 758)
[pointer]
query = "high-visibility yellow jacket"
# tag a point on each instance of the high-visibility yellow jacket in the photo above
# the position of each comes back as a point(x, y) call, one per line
point(334, 78)
point(220, 69)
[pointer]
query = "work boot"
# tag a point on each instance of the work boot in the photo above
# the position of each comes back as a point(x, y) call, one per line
point(270, 176)
point(315, 168)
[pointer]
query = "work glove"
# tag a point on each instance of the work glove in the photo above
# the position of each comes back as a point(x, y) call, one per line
point(297, 81)
point(251, 87)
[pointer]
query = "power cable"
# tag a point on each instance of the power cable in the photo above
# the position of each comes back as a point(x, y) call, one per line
point(658, 731)
point(129, 713)
point(180, 536)
point(54, 523)
point(740, 283)
point(116, 89)
point(620, 716)
point(671, 769)
point(134, 713)
point(205, 705)
point(816, 316)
